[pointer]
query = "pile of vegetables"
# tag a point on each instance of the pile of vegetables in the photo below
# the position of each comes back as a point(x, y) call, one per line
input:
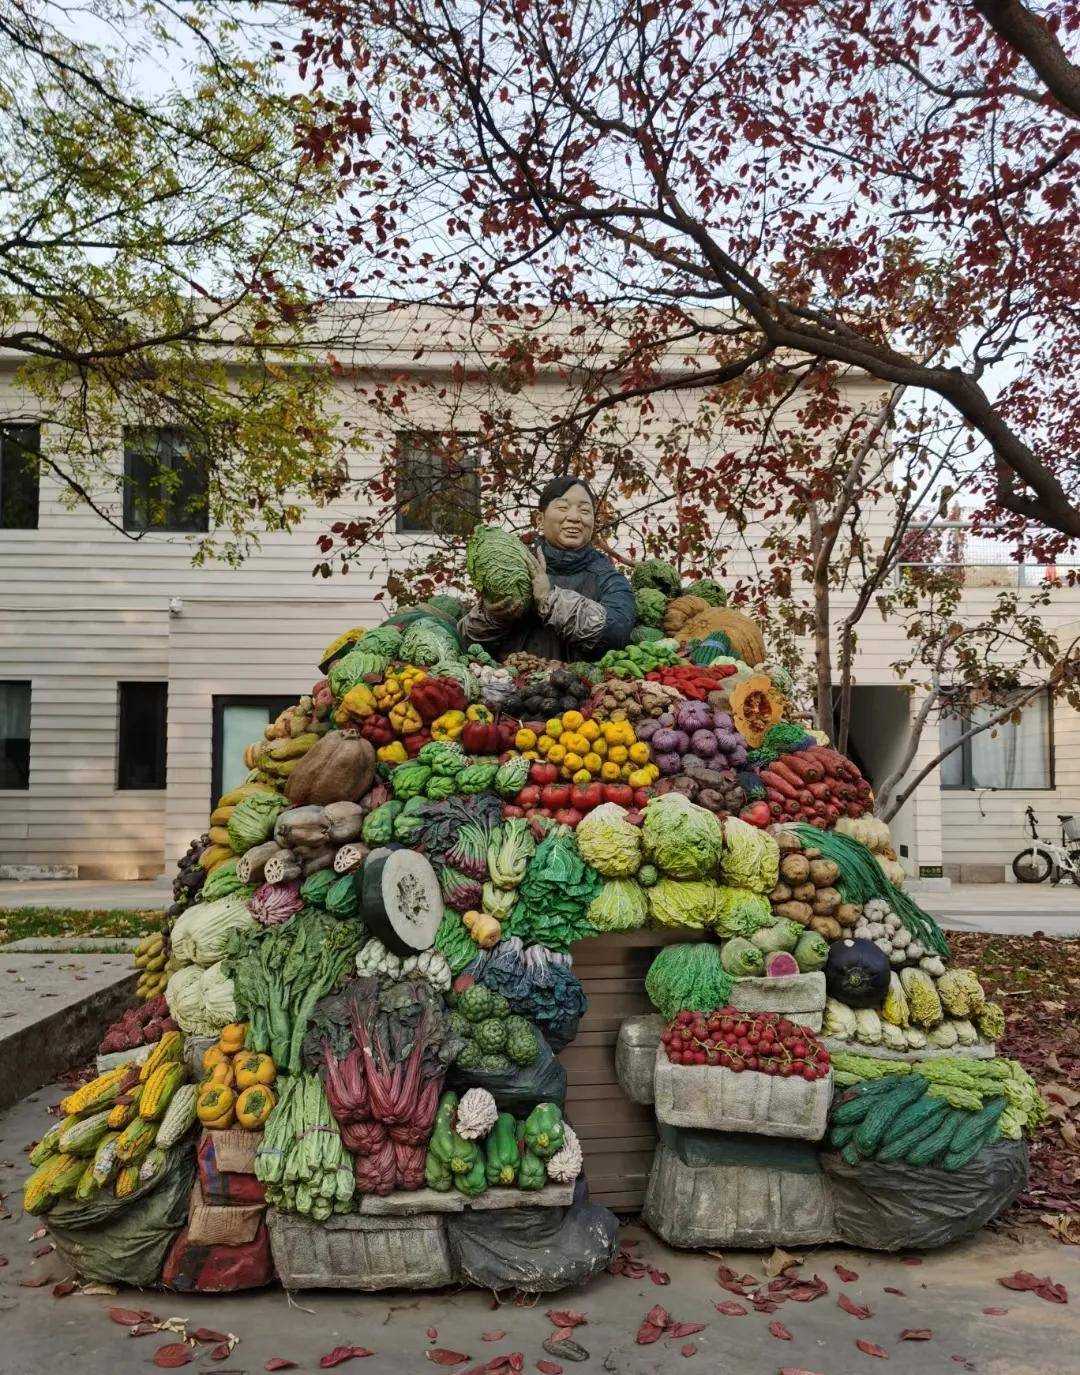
point(475, 1147)
point(571, 747)
point(546, 693)
point(806, 889)
point(815, 785)
point(554, 896)
point(764, 1043)
point(301, 1161)
point(696, 682)
point(916, 1010)
point(538, 983)
point(637, 660)
point(694, 736)
point(631, 700)
point(236, 1089)
point(495, 1040)
point(717, 790)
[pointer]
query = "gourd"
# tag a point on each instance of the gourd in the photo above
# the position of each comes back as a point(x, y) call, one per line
point(565, 1165)
point(502, 1160)
point(485, 930)
point(476, 1114)
point(340, 767)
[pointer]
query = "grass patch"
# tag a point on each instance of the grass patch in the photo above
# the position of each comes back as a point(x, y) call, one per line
point(19, 923)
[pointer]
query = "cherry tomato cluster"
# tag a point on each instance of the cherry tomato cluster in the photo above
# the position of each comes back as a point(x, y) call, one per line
point(765, 1042)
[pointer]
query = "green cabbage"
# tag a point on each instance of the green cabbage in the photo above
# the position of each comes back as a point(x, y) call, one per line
point(738, 912)
point(619, 906)
point(655, 573)
point(608, 842)
point(677, 902)
point(649, 606)
point(220, 882)
point(498, 565)
point(690, 977)
point(253, 820)
point(354, 667)
point(751, 858)
point(684, 840)
point(708, 590)
point(427, 642)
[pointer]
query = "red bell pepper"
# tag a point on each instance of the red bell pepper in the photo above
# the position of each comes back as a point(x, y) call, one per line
point(480, 737)
point(377, 729)
point(432, 696)
point(415, 743)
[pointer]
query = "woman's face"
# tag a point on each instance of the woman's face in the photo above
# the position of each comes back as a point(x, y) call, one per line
point(567, 522)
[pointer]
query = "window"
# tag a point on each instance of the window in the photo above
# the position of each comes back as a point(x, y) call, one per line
point(165, 481)
point(438, 484)
point(140, 750)
point(15, 735)
point(238, 723)
point(19, 448)
point(1006, 756)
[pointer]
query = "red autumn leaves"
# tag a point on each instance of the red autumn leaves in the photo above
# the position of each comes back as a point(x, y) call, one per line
point(658, 1323)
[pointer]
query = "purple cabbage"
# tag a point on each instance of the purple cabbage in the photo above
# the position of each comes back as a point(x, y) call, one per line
point(703, 742)
point(668, 763)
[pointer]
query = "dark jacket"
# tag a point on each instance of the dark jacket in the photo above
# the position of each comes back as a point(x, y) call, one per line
point(595, 614)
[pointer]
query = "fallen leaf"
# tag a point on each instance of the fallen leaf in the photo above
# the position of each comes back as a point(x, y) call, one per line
point(549, 1368)
point(439, 1355)
point(779, 1261)
point(36, 1282)
point(221, 1353)
point(1065, 1226)
point(910, 1260)
point(109, 1289)
point(561, 1334)
point(872, 1349)
point(173, 1356)
point(64, 1288)
point(433, 1334)
point(848, 1276)
point(778, 1330)
point(733, 1283)
point(856, 1310)
point(685, 1329)
point(659, 1276)
point(1045, 1287)
point(795, 1370)
point(995, 1312)
point(916, 1334)
point(279, 1363)
point(731, 1309)
point(207, 1334)
point(341, 1354)
point(688, 1349)
point(42, 1251)
point(658, 1316)
point(648, 1333)
point(492, 1336)
point(131, 1317)
point(890, 1290)
point(566, 1317)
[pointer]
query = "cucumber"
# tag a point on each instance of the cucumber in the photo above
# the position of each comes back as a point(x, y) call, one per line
point(938, 1142)
point(851, 1155)
point(972, 1135)
point(840, 1135)
point(885, 1109)
point(897, 1145)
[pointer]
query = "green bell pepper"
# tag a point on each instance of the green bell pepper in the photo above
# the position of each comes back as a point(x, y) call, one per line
point(501, 1152)
point(544, 1130)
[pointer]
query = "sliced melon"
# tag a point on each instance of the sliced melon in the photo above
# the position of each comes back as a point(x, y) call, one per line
point(400, 900)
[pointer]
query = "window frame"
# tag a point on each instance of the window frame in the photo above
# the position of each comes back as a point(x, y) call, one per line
point(34, 448)
point(161, 739)
point(275, 703)
point(432, 438)
point(198, 521)
point(967, 785)
point(27, 683)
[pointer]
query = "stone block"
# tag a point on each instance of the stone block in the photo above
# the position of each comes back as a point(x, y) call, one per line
point(635, 1055)
point(736, 1205)
point(358, 1251)
point(722, 1100)
point(799, 997)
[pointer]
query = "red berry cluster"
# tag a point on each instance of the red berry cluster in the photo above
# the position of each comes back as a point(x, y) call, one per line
point(765, 1042)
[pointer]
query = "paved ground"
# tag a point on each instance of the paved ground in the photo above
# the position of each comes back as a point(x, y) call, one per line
point(87, 894)
point(947, 1293)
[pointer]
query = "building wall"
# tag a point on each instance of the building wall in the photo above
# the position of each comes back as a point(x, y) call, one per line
point(82, 607)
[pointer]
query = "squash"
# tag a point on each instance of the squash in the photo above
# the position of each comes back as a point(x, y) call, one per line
point(743, 634)
point(252, 1069)
point(232, 1037)
point(216, 1106)
point(484, 929)
point(756, 705)
point(341, 767)
point(222, 1073)
point(213, 1056)
point(254, 1106)
point(682, 610)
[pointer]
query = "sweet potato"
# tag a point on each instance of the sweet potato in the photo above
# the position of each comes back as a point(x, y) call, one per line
point(828, 927)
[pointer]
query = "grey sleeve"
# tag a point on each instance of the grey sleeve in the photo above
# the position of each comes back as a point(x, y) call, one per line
point(574, 616)
point(476, 627)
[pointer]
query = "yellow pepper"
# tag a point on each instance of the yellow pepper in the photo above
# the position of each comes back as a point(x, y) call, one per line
point(394, 753)
point(405, 719)
point(411, 674)
point(448, 726)
point(389, 693)
point(478, 712)
point(592, 762)
point(525, 739)
point(357, 703)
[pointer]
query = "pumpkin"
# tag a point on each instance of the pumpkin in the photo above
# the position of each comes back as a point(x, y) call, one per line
point(231, 1038)
point(216, 1106)
point(254, 1069)
point(744, 635)
point(254, 1106)
point(755, 706)
point(682, 610)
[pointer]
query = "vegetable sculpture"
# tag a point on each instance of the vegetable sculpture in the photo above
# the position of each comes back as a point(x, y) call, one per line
point(498, 566)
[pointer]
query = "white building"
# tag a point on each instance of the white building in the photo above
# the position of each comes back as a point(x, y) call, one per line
point(130, 682)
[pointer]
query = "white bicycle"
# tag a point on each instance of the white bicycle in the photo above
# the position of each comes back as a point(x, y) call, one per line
point(1043, 859)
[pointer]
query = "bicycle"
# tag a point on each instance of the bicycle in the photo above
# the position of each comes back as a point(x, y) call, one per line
point(1043, 859)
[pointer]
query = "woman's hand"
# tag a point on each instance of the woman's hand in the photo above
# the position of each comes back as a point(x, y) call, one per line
point(541, 583)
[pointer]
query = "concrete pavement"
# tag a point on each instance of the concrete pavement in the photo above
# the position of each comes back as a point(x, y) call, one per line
point(86, 895)
point(947, 1292)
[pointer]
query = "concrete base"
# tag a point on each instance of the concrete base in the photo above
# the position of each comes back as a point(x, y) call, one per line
point(350, 1251)
point(33, 873)
point(54, 1012)
point(718, 1099)
point(635, 1056)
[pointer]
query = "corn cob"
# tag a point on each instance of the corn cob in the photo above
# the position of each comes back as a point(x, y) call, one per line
point(50, 1142)
point(152, 1166)
point(51, 1181)
point(179, 1115)
point(159, 1089)
point(82, 1138)
point(104, 1089)
point(136, 1139)
point(127, 1181)
point(88, 1185)
point(168, 1050)
point(105, 1158)
point(125, 1109)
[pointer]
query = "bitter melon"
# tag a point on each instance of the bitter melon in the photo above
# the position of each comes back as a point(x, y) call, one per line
point(884, 1109)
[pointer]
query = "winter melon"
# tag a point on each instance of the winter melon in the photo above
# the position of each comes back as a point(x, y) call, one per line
point(400, 900)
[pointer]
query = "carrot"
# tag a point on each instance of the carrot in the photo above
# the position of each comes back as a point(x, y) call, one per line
point(808, 769)
point(821, 791)
point(782, 770)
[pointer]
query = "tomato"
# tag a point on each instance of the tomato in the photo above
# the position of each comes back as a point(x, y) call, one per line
point(543, 773)
point(568, 816)
point(529, 796)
